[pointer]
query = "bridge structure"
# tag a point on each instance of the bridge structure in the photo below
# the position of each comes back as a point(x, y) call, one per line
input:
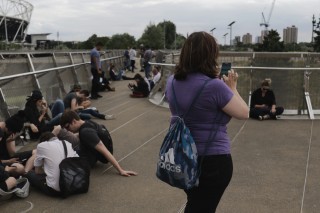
point(276, 163)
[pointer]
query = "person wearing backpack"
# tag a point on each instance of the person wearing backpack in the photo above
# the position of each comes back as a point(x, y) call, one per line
point(95, 141)
point(50, 153)
point(217, 103)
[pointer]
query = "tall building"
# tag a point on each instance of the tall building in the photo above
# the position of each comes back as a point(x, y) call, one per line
point(247, 39)
point(290, 35)
point(237, 39)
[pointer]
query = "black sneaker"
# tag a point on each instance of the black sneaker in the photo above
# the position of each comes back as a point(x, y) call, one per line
point(99, 96)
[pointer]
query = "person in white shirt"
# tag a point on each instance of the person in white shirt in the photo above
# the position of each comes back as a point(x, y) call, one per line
point(156, 76)
point(50, 153)
point(132, 55)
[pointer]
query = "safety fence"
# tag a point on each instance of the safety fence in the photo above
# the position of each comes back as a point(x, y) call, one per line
point(295, 78)
point(51, 72)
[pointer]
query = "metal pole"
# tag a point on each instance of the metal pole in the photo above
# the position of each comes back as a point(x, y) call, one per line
point(230, 25)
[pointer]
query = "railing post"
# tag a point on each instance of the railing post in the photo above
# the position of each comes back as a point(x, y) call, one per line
point(74, 72)
point(33, 70)
point(3, 106)
point(61, 85)
point(307, 95)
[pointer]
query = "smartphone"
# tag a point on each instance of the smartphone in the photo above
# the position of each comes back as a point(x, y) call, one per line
point(225, 67)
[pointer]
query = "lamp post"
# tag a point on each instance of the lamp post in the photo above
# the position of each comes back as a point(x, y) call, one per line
point(225, 36)
point(230, 27)
point(212, 30)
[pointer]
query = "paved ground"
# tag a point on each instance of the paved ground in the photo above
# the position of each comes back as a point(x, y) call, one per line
point(276, 166)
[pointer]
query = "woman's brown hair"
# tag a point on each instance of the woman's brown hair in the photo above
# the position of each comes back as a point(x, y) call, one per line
point(199, 54)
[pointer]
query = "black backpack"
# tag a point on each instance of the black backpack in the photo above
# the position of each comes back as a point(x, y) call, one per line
point(74, 175)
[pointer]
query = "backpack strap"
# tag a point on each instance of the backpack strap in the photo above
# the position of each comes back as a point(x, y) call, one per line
point(65, 148)
point(194, 100)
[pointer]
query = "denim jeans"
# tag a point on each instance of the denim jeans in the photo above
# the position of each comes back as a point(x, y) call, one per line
point(57, 108)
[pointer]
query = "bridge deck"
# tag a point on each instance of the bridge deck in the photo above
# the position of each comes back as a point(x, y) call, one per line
point(276, 166)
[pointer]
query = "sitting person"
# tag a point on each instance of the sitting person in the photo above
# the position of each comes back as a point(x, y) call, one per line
point(156, 76)
point(63, 134)
point(12, 165)
point(113, 75)
point(117, 76)
point(95, 141)
point(75, 88)
point(50, 153)
point(74, 101)
point(6, 181)
point(9, 131)
point(104, 84)
point(141, 89)
point(263, 103)
point(38, 114)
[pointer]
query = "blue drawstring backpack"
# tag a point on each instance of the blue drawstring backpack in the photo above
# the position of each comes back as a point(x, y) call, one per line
point(178, 158)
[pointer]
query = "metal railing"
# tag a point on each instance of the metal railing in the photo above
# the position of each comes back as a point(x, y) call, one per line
point(296, 88)
point(51, 72)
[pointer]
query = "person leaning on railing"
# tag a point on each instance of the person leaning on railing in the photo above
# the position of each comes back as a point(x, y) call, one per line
point(263, 103)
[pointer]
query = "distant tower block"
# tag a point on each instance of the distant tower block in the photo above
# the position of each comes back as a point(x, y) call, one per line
point(15, 18)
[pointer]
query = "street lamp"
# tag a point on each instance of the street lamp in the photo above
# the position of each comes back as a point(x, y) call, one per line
point(230, 26)
point(225, 36)
point(212, 30)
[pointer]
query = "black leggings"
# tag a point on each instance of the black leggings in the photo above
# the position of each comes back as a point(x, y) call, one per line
point(216, 173)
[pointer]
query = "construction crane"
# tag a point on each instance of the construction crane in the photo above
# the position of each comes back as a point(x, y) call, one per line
point(265, 22)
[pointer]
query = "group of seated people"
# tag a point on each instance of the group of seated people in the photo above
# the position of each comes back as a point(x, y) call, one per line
point(142, 85)
point(41, 165)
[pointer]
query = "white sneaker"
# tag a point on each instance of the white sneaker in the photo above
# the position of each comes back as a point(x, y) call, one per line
point(110, 117)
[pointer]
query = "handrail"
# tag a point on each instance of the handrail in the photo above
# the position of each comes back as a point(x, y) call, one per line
point(52, 69)
point(251, 67)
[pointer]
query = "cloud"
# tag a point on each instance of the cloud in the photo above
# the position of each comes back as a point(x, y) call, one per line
point(79, 19)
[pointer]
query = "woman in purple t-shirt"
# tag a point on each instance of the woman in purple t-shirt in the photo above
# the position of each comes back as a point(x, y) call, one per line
point(218, 102)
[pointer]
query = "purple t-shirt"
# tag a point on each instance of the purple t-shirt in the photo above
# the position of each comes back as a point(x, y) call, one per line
point(206, 114)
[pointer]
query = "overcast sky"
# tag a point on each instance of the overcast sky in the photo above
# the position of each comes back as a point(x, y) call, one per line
point(76, 20)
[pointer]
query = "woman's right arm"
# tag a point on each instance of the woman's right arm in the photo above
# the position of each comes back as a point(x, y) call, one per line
point(236, 107)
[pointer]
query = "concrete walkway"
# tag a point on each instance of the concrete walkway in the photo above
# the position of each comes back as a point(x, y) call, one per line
point(276, 166)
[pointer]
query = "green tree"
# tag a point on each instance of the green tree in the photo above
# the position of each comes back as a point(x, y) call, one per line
point(169, 34)
point(271, 43)
point(152, 36)
point(316, 44)
point(92, 40)
point(180, 39)
point(121, 41)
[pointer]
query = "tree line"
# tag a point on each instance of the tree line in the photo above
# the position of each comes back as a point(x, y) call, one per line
point(160, 36)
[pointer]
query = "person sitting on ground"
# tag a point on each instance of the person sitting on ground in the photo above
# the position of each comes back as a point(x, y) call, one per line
point(10, 130)
point(105, 84)
point(113, 75)
point(38, 114)
point(73, 102)
point(12, 165)
point(50, 153)
point(7, 182)
point(68, 136)
point(87, 109)
point(95, 141)
point(117, 76)
point(263, 103)
point(156, 76)
point(75, 88)
point(141, 89)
